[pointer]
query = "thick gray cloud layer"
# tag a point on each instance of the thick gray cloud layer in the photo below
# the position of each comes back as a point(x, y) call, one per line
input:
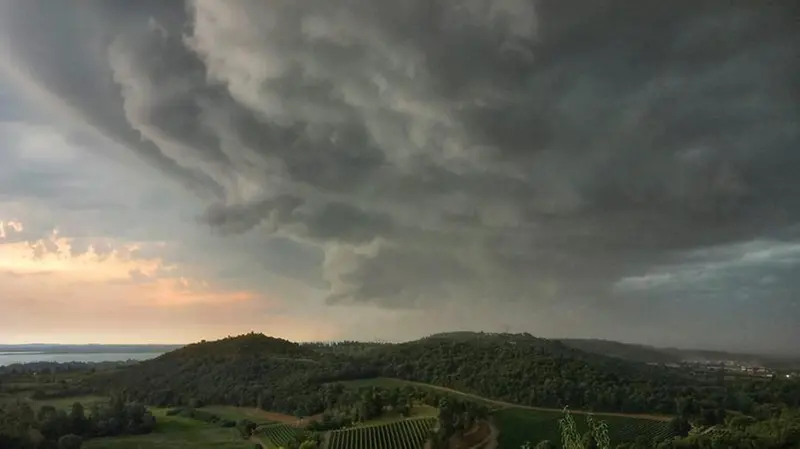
point(556, 154)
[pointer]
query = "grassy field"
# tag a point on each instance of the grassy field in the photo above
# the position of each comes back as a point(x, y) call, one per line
point(520, 425)
point(258, 416)
point(173, 432)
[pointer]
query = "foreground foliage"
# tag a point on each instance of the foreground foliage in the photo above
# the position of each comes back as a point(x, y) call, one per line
point(22, 428)
point(518, 426)
point(781, 431)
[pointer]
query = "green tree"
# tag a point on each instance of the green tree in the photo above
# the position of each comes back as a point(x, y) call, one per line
point(680, 426)
point(595, 438)
point(77, 418)
point(545, 444)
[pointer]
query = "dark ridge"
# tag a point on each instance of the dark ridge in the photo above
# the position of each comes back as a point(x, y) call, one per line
point(254, 370)
point(626, 351)
point(251, 344)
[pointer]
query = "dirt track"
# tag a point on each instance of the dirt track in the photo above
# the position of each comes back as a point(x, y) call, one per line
point(504, 404)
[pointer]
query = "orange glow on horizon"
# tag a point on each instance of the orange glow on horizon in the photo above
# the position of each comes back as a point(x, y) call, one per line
point(50, 293)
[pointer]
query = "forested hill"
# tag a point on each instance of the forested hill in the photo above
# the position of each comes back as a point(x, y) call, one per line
point(650, 354)
point(252, 344)
point(523, 369)
point(275, 374)
point(627, 351)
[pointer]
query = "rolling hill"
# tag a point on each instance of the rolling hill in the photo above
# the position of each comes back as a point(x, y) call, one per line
point(258, 371)
point(626, 351)
point(651, 354)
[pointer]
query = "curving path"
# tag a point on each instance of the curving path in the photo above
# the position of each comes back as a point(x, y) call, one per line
point(504, 404)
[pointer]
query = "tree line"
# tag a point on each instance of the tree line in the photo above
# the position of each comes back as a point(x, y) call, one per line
point(50, 428)
point(277, 376)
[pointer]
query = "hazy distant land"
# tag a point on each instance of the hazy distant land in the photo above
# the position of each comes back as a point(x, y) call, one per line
point(29, 353)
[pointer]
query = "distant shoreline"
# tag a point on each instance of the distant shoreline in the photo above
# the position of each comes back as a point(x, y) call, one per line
point(23, 358)
point(45, 349)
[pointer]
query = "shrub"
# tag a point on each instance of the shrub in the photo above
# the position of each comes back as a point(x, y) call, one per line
point(70, 442)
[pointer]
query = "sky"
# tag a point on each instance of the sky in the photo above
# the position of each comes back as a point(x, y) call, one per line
point(361, 169)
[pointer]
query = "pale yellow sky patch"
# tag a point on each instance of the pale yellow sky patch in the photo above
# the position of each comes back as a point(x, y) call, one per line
point(114, 294)
point(51, 261)
point(40, 308)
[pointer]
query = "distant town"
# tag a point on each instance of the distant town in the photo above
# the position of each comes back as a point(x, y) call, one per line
point(729, 367)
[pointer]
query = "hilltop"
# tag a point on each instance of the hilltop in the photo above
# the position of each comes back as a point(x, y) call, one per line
point(652, 354)
point(626, 351)
point(252, 344)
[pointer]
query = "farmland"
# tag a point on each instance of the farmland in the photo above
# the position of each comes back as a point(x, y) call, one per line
point(278, 434)
point(519, 425)
point(390, 383)
point(259, 417)
point(404, 434)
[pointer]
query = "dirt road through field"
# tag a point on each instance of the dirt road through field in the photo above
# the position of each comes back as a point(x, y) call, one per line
point(504, 404)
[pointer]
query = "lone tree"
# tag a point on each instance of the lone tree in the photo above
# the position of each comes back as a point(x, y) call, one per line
point(595, 438)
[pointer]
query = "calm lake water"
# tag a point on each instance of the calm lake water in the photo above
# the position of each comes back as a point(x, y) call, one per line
point(8, 358)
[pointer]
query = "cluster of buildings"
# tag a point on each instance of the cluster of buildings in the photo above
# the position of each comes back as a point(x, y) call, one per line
point(731, 366)
point(726, 366)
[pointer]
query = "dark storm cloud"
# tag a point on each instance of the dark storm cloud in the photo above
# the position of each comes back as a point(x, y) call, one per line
point(508, 150)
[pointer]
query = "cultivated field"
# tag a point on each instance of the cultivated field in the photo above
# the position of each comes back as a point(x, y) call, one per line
point(405, 434)
point(258, 416)
point(520, 425)
point(278, 435)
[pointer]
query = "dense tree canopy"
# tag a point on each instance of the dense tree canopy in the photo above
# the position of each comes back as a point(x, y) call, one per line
point(273, 374)
point(48, 428)
point(307, 379)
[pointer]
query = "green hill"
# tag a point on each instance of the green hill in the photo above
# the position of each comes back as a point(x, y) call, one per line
point(626, 351)
point(248, 345)
point(274, 374)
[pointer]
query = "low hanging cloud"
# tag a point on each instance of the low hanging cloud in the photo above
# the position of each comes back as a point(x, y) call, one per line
point(506, 152)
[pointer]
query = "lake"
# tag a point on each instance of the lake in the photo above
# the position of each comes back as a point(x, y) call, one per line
point(9, 358)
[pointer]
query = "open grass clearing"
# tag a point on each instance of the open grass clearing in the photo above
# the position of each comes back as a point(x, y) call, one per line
point(258, 416)
point(174, 432)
